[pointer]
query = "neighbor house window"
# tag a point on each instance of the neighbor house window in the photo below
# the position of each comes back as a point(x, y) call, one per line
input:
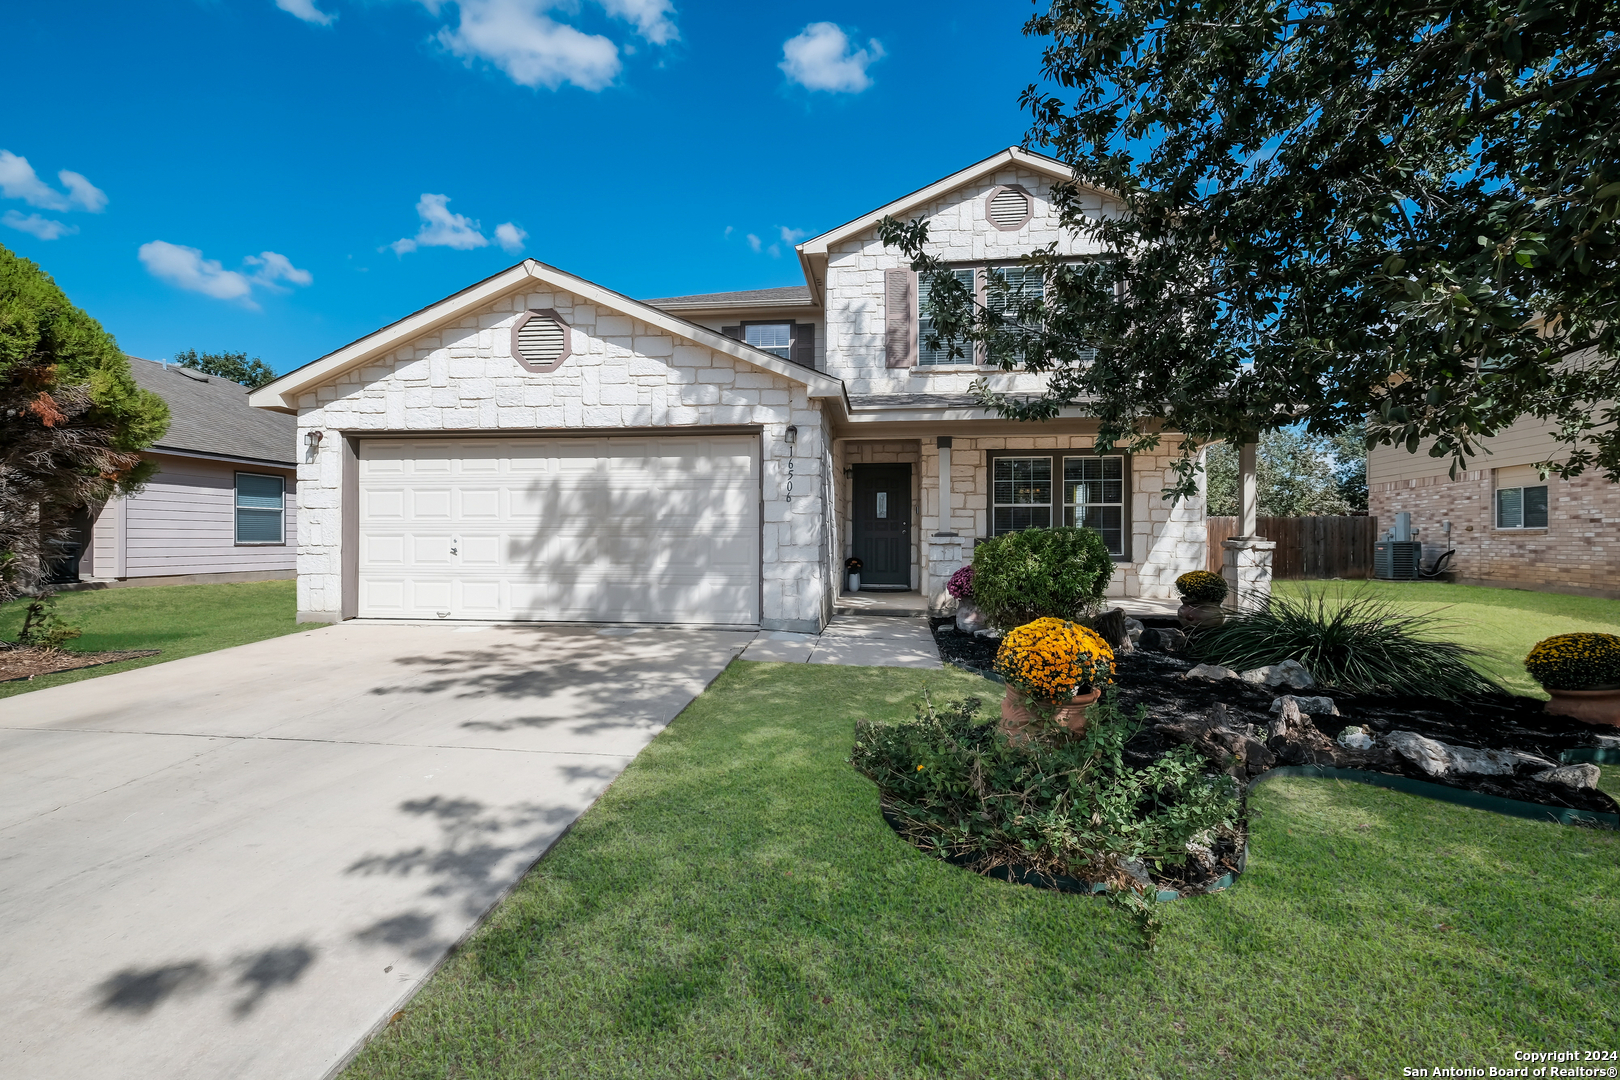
point(1036, 491)
point(1521, 507)
point(260, 503)
point(775, 338)
point(927, 357)
point(1094, 497)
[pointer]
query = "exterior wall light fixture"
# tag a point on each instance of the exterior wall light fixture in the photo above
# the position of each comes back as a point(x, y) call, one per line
point(791, 436)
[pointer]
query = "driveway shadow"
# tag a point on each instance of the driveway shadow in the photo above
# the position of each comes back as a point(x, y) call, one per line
point(138, 991)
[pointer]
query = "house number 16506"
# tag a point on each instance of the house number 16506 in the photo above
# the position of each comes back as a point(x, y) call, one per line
point(790, 479)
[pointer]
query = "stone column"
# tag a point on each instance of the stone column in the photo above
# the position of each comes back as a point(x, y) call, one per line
point(944, 546)
point(1246, 566)
point(1248, 491)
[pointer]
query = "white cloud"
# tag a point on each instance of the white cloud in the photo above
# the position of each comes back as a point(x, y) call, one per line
point(18, 181)
point(820, 58)
point(306, 10)
point(651, 18)
point(753, 242)
point(533, 49)
point(42, 227)
point(275, 268)
point(729, 230)
point(185, 268)
point(509, 236)
point(441, 228)
point(791, 236)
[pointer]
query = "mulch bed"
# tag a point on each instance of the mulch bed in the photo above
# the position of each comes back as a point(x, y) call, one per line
point(1504, 722)
point(22, 662)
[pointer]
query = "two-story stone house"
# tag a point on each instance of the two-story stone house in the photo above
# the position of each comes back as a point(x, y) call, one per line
point(538, 447)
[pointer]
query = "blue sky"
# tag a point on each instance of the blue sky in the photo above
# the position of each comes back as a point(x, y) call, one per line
point(284, 176)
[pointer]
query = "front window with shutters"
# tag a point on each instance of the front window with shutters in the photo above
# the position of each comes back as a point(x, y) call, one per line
point(927, 357)
point(1037, 491)
point(260, 505)
point(774, 338)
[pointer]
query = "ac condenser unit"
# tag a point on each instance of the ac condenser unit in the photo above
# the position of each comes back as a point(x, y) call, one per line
point(1397, 560)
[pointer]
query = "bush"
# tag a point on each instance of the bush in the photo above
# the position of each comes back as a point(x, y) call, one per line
point(1359, 643)
point(1040, 574)
point(43, 627)
point(1201, 587)
point(1576, 662)
point(1067, 807)
point(961, 584)
point(1051, 660)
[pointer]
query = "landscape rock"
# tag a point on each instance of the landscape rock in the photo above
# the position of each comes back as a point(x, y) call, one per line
point(1288, 673)
point(1584, 775)
point(970, 619)
point(1355, 738)
point(989, 633)
point(1210, 671)
point(1135, 628)
point(1442, 759)
point(1608, 742)
point(1164, 640)
point(1314, 706)
point(1138, 871)
point(1256, 756)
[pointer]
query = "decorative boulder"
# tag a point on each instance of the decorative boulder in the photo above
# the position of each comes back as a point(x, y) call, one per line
point(970, 619)
point(1584, 775)
point(1210, 671)
point(1163, 640)
point(1442, 759)
point(1288, 673)
point(1355, 738)
point(1315, 706)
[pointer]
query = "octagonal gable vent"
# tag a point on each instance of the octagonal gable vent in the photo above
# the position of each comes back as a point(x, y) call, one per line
point(1009, 208)
point(540, 340)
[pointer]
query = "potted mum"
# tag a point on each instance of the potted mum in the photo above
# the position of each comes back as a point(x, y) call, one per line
point(968, 616)
point(852, 567)
point(1581, 672)
point(1054, 669)
point(1201, 595)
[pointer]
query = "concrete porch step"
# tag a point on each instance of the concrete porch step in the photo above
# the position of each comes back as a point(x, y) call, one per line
point(907, 605)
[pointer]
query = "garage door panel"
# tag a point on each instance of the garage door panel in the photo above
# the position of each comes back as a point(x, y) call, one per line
point(661, 529)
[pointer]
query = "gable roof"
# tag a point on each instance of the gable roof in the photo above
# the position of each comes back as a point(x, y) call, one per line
point(283, 393)
point(787, 296)
point(813, 252)
point(210, 415)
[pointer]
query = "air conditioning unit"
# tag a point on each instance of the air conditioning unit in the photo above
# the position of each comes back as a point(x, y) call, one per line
point(1397, 560)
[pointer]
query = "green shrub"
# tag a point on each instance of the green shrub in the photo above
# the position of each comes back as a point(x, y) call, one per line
point(1357, 642)
point(43, 627)
point(1040, 574)
point(1065, 806)
point(1201, 587)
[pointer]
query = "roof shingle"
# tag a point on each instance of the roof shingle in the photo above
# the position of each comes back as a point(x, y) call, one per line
point(210, 415)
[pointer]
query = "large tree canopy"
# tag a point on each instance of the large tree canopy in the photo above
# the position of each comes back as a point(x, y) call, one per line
point(234, 366)
point(1398, 207)
point(71, 419)
point(1297, 473)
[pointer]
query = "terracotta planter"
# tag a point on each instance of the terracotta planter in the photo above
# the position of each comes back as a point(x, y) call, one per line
point(1209, 615)
point(1016, 714)
point(1590, 706)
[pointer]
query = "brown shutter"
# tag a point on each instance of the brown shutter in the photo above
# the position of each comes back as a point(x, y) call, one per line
point(900, 317)
point(804, 344)
point(734, 332)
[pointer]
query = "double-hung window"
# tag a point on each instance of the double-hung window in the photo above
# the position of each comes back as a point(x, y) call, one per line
point(1521, 507)
point(260, 504)
point(775, 338)
point(927, 357)
point(1036, 491)
point(1012, 286)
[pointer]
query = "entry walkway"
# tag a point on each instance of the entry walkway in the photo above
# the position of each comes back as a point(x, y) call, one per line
point(853, 640)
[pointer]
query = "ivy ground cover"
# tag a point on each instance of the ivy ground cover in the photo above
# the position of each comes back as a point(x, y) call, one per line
point(734, 906)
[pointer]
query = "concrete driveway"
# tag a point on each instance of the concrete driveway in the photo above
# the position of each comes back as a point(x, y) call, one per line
point(239, 864)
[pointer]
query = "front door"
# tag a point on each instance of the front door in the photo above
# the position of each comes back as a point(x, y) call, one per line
point(881, 537)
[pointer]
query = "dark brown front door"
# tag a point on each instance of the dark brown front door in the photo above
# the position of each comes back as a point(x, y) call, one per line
point(881, 537)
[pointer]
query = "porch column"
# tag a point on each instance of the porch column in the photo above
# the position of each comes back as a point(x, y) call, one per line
point(944, 546)
point(1246, 558)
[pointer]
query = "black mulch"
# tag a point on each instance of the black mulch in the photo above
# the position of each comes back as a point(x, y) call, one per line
point(1503, 722)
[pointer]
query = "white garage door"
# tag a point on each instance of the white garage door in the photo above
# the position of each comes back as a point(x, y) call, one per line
point(655, 529)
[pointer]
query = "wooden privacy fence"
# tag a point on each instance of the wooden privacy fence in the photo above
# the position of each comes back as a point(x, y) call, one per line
point(1307, 547)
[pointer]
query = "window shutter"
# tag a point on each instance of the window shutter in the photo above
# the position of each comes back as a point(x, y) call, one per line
point(804, 344)
point(732, 332)
point(900, 317)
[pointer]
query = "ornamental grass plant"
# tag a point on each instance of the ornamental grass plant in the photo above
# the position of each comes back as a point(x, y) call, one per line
point(1576, 662)
point(1356, 642)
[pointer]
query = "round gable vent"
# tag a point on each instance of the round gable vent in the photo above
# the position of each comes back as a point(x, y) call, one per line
point(540, 340)
point(1009, 208)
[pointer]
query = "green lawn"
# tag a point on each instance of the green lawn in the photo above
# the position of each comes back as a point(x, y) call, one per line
point(182, 620)
point(1502, 623)
point(733, 906)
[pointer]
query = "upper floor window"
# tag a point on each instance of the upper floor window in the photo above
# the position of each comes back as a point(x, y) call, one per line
point(1093, 494)
point(927, 357)
point(774, 338)
point(260, 503)
point(1013, 285)
point(1521, 507)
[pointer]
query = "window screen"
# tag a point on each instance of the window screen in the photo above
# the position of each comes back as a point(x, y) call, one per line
point(927, 357)
point(774, 338)
point(1521, 508)
point(1094, 497)
point(259, 504)
point(1023, 283)
point(1023, 494)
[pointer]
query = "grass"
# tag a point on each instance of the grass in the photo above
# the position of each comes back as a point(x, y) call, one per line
point(182, 620)
point(733, 906)
point(1502, 624)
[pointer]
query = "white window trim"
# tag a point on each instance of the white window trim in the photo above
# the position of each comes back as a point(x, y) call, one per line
point(786, 354)
point(1058, 503)
point(237, 508)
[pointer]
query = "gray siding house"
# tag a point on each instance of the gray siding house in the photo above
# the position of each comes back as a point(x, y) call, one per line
point(223, 504)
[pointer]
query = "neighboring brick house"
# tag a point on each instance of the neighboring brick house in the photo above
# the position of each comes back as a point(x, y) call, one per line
point(539, 447)
point(222, 505)
point(1508, 526)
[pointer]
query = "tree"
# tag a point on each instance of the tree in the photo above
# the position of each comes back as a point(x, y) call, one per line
point(71, 420)
point(234, 366)
point(1298, 474)
point(1332, 209)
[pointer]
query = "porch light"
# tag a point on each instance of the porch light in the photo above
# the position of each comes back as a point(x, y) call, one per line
point(312, 440)
point(791, 436)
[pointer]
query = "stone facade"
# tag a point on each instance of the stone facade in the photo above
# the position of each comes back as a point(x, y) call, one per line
point(623, 374)
point(1578, 552)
